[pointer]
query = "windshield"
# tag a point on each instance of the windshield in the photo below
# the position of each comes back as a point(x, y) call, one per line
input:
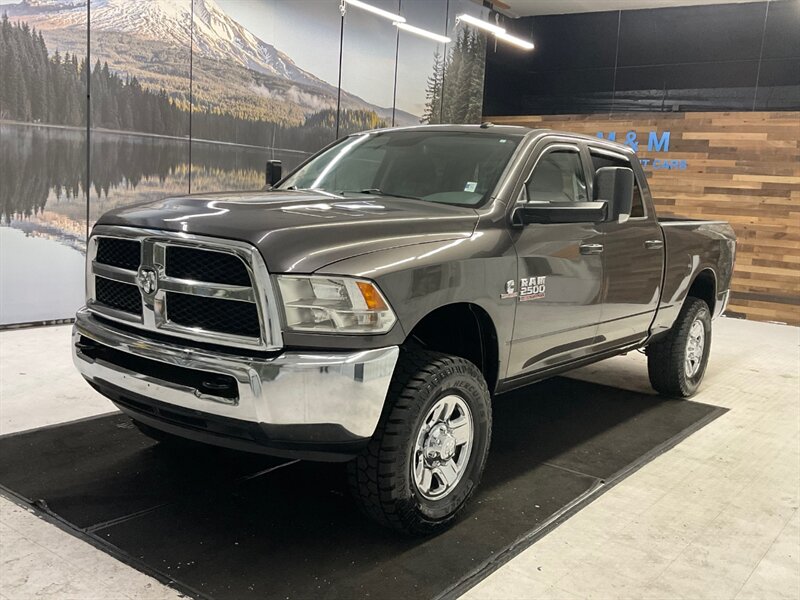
point(458, 167)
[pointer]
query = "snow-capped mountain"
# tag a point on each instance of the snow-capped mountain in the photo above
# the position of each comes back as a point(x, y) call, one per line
point(215, 34)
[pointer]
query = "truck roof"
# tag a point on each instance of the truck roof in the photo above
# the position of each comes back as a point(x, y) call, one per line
point(503, 129)
point(487, 127)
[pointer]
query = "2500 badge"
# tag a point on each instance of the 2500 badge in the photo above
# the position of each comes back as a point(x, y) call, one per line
point(532, 288)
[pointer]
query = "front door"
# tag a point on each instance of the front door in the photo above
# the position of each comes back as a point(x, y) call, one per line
point(560, 269)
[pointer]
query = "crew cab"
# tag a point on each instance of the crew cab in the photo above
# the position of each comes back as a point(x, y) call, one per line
point(368, 306)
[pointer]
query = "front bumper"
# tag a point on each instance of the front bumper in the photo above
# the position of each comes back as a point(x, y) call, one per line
point(322, 405)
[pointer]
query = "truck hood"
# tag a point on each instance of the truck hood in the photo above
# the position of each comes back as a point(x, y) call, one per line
point(300, 231)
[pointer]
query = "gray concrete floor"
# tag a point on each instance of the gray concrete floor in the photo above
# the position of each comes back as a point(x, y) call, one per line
point(715, 517)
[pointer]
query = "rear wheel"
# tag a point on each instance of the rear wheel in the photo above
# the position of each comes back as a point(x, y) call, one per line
point(428, 452)
point(677, 363)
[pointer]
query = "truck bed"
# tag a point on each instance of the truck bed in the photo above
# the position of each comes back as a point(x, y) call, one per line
point(673, 221)
point(693, 246)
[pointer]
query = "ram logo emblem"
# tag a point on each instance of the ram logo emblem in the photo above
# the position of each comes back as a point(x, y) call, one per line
point(147, 279)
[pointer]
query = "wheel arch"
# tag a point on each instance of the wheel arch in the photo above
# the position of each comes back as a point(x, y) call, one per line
point(462, 329)
point(704, 287)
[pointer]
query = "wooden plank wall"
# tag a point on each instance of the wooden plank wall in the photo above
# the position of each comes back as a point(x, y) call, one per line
point(743, 167)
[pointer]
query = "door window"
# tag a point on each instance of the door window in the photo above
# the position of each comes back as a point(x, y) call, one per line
point(557, 177)
point(603, 160)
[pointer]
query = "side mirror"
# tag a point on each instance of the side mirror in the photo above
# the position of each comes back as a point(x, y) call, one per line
point(274, 170)
point(615, 186)
point(560, 212)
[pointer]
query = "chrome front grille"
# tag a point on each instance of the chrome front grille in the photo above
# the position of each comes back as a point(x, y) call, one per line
point(116, 252)
point(117, 295)
point(194, 287)
point(237, 318)
point(214, 267)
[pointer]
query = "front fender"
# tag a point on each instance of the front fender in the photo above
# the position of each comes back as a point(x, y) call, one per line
point(419, 279)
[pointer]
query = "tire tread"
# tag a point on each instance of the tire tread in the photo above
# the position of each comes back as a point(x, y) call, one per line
point(665, 358)
point(372, 475)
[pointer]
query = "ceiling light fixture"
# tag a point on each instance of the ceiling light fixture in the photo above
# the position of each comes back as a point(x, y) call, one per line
point(498, 31)
point(526, 45)
point(423, 32)
point(377, 11)
point(480, 23)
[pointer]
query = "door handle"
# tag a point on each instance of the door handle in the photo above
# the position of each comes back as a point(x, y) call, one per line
point(654, 244)
point(591, 248)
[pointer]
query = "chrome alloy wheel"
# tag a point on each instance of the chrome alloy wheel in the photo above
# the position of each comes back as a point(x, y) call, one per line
point(443, 447)
point(694, 348)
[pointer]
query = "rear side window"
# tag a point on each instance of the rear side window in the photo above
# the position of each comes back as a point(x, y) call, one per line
point(603, 160)
point(557, 177)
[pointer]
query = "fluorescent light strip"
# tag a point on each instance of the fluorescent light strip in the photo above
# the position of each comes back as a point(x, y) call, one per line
point(498, 31)
point(423, 32)
point(514, 40)
point(377, 11)
point(481, 24)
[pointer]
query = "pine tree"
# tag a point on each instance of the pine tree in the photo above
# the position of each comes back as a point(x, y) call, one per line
point(462, 93)
point(126, 114)
point(433, 91)
point(452, 77)
point(23, 103)
point(41, 108)
point(8, 75)
point(474, 109)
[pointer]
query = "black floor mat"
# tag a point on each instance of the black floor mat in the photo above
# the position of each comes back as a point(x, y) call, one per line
point(221, 524)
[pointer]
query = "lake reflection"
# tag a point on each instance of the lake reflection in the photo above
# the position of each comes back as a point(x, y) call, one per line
point(43, 197)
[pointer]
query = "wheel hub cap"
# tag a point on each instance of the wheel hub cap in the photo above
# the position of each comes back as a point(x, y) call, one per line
point(694, 348)
point(440, 443)
point(443, 447)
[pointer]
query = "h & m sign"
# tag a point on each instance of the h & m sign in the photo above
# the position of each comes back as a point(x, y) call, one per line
point(656, 142)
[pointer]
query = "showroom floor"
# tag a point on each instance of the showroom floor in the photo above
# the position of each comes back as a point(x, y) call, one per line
point(715, 517)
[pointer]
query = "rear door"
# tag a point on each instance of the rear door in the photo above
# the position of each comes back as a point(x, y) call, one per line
point(560, 266)
point(634, 263)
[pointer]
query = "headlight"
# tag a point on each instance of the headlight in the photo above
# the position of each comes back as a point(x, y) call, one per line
point(334, 305)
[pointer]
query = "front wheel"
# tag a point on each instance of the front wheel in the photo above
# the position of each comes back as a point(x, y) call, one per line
point(677, 363)
point(428, 452)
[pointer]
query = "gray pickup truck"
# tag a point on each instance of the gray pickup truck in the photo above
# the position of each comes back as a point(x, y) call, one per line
point(368, 306)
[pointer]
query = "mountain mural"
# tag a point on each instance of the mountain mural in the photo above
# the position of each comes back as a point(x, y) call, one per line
point(235, 72)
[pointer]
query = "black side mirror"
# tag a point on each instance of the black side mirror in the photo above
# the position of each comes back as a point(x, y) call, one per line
point(615, 186)
point(274, 170)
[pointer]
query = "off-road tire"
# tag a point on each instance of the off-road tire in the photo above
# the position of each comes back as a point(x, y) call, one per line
point(380, 479)
point(665, 358)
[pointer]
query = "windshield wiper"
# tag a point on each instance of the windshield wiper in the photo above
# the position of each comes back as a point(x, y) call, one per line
point(378, 192)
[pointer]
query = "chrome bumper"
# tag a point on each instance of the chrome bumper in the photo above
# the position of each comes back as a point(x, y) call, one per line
point(346, 389)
